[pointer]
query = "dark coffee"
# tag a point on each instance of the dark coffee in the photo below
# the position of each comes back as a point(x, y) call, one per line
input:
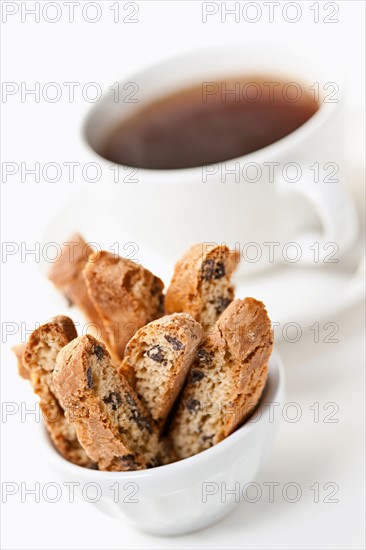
point(210, 123)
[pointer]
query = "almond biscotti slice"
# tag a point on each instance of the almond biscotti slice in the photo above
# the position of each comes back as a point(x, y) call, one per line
point(160, 355)
point(126, 296)
point(66, 275)
point(201, 283)
point(226, 380)
point(112, 425)
point(39, 358)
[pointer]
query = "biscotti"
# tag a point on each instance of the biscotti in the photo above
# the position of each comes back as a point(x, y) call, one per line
point(39, 358)
point(201, 283)
point(226, 379)
point(160, 381)
point(66, 275)
point(125, 295)
point(160, 355)
point(112, 425)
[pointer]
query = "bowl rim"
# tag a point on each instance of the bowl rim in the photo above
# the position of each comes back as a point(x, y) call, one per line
point(273, 393)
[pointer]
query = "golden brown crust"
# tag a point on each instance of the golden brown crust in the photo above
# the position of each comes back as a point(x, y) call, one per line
point(112, 418)
point(66, 275)
point(39, 359)
point(226, 380)
point(201, 283)
point(160, 355)
point(111, 424)
point(22, 370)
point(125, 295)
point(247, 331)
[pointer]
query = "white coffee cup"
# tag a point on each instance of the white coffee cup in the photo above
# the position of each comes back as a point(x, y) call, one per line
point(249, 202)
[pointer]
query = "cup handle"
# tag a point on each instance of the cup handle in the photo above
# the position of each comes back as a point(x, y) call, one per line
point(336, 212)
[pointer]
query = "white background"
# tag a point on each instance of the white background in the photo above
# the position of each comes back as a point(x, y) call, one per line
point(305, 452)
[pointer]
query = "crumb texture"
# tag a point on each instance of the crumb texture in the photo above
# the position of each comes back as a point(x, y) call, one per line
point(39, 358)
point(125, 295)
point(112, 425)
point(201, 283)
point(226, 379)
point(160, 355)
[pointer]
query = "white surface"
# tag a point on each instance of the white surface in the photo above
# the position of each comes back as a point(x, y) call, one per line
point(305, 452)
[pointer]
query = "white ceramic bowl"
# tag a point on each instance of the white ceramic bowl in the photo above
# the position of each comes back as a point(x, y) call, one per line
point(187, 495)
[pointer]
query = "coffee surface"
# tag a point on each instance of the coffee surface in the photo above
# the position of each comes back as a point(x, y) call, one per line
point(210, 123)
